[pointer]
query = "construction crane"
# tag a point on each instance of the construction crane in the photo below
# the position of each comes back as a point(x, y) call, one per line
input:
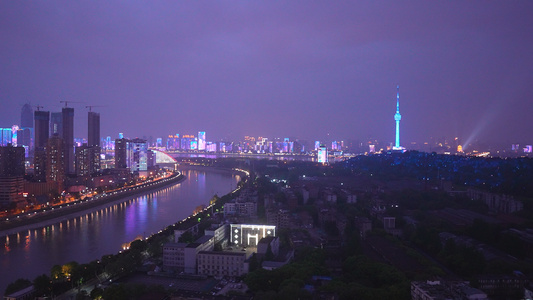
point(90, 107)
point(67, 102)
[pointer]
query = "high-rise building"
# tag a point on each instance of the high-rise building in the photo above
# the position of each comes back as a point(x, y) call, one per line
point(322, 154)
point(137, 156)
point(120, 153)
point(132, 154)
point(12, 161)
point(94, 129)
point(397, 118)
point(87, 160)
point(42, 119)
point(201, 140)
point(11, 175)
point(25, 135)
point(93, 141)
point(25, 139)
point(56, 124)
point(55, 162)
point(173, 142)
point(68, 138)
point(150, 158)
point(6, 136)
point(26, 116)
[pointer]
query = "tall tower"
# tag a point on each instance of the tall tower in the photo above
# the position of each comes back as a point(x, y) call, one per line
point(42, 118)
point(56, 124)
point(68, 138)
point(25, 135)
point(94, 129)
point(397, 118)
point(120, 153)
point(26, 116)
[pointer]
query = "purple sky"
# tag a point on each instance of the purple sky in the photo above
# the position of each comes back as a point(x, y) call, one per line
point(275, 68)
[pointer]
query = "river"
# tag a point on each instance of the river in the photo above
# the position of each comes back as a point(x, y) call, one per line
point(103, 230)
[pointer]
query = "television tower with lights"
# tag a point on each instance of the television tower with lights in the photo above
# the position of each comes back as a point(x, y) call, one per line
point(397, 118)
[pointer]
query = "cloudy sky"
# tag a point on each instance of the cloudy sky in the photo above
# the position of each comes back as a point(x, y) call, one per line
point(301, 69)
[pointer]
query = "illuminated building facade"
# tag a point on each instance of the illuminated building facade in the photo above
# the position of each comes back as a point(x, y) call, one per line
point(322, 154)
point(132, 154)
point(211, 147)
point(5, 136)
point(136, 155)
point(201, 141)
point(194, 145)
point(186, 142)
point(244, 235)
point(173, 142)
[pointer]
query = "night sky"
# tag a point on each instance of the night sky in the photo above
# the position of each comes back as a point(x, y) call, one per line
point(301, 69)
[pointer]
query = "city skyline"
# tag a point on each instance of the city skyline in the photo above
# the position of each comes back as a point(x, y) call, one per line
point(275, 69)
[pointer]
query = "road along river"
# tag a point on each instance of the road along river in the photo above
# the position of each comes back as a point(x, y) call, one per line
point(83, 237)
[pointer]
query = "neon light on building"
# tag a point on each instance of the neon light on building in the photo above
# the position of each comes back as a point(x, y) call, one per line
point(323, 154)
point(245, 235)
point(201, 140)
point(397, 118)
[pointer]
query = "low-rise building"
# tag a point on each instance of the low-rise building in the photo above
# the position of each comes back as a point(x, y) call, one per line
point(265, 243)
point(182, 256)
point(24, 294)
point(433, 290)
point(174, 256)
point(364, 225)
point(220, 232)
point(240, 208)
point(222, 263)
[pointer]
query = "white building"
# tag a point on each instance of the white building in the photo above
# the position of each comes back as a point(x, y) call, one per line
point(244, 235)
point(182, 256)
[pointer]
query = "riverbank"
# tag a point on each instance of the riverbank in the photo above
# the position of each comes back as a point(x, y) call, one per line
point(68, 211)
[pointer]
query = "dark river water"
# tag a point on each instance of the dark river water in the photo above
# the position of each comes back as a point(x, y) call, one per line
point(101, 231)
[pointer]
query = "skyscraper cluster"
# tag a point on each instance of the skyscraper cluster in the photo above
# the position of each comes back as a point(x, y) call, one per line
point(46, 140)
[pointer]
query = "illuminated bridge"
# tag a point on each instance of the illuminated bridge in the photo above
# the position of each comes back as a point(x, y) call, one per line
point(163, 158)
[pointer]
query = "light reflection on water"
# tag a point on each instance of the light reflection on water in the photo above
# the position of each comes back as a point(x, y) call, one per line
point(31, 253)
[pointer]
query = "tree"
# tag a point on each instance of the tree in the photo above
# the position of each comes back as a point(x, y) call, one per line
point(18, 285)
point(56, 272)
point(42, 285)
point(116, 292)
point(97, 293)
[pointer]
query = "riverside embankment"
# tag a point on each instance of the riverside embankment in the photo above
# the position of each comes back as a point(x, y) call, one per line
point(69, 210)
point(103, 230)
